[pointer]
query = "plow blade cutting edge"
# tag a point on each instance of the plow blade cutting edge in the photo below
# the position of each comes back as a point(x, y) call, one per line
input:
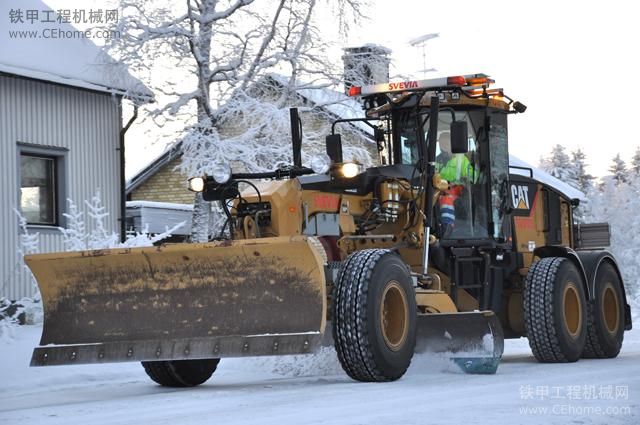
point(184, 301)
point(472, 340)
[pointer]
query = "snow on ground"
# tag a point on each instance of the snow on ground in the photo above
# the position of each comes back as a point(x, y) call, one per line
point(314, 390)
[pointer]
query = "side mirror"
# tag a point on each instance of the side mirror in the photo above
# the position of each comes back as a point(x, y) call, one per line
point(459, 137)
point(334, 147)
point(378, 134)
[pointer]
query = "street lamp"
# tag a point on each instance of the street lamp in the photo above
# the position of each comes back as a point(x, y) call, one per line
point(422, 42)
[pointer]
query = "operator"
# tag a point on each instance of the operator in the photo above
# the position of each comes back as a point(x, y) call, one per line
point(456, 169)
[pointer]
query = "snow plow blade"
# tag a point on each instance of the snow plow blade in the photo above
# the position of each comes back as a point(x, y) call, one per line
point(182, 301)
point(474, 341)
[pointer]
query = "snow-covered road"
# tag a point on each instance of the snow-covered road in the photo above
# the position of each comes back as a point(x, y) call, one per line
point(313, 390)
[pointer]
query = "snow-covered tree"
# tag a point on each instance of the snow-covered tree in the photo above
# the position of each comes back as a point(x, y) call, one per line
point(635, 162)
point(617, 203)
point(559, 165)
point(88, 232)
point(584, 182)
point(215, 51)
point(618, 169)
point(27, 309)
point(583, 178)
point(74, 236)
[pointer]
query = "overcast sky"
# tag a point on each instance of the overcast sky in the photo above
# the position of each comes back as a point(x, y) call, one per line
point(573, 63)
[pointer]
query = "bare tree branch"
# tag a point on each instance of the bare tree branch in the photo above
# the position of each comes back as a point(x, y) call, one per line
point(215, 62)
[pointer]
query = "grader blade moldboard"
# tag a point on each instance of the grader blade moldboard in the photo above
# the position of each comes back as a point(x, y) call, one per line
point(183, 301)
point(475, 340)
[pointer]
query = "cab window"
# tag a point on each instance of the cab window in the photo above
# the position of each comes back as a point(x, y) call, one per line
point(461, 210)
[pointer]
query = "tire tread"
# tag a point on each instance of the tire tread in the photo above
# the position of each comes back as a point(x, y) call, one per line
point(597, 346)
point(539, 310)
point(349, 309)
point(180, 373)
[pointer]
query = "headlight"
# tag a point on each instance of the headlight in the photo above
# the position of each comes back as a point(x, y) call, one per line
point(221, 173)
point(320, 163)
point(196, 184)
point(349, 169)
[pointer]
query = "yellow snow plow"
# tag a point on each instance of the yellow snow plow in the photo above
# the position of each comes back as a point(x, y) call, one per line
point(183, 301)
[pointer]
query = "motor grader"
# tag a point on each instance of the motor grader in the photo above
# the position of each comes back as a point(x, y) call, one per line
point(437, 248)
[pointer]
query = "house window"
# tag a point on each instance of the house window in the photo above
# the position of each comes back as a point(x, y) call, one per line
point(38, 189)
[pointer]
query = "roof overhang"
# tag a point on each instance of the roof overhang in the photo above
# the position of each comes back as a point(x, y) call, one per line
point(137, 96)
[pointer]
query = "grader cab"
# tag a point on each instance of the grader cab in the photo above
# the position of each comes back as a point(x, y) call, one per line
point(437, 248)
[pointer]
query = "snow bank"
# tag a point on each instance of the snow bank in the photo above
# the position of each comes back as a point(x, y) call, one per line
point(163, 205)
point(324, 362)
point(8, 329)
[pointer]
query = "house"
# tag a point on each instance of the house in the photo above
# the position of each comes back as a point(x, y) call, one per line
point(61, 135)
point(160, 182)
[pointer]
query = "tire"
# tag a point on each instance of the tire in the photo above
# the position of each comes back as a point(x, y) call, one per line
point(555, 310)
point(605, 317)
point(181, 373)
point(374, 285)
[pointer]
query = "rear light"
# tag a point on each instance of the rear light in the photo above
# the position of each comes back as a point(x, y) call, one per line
point(497, 94)
point(458, 80)
point(475, 92)
point(355, 91)
point(479, 81)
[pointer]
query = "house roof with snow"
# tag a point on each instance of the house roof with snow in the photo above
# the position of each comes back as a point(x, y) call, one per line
point(337, 104)
point(38, 49)
point(175, 151)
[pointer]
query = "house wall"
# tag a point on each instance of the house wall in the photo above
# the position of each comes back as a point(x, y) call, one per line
point(167, 185)
point(84, 126)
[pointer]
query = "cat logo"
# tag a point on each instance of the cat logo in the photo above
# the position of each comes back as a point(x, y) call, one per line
point(520, 197)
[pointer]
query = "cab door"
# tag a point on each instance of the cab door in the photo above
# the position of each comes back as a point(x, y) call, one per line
point(499, 226)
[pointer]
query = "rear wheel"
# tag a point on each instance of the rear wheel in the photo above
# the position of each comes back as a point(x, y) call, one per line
point(374, 316)
point(181, 373)
point(555, 311)
point(605, 320)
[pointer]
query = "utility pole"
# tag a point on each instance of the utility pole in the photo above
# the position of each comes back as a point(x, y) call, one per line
point(421, 42)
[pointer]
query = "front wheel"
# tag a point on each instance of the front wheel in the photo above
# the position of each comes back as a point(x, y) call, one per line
point(181, 373)
point(374, 316)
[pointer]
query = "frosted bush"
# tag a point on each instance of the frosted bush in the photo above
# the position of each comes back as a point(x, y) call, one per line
point(79, 234)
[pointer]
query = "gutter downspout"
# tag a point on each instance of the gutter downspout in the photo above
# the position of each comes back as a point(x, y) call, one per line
point(123, 183)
